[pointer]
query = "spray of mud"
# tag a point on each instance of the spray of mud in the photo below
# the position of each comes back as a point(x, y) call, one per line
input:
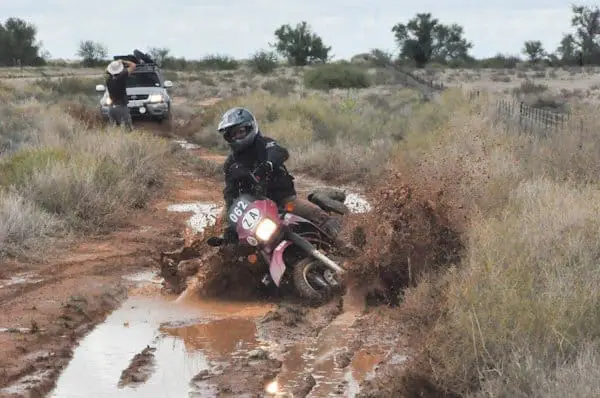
point(204, 271)
point(409, 233)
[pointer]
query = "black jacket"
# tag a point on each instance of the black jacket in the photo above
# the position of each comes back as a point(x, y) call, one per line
point(263, 149)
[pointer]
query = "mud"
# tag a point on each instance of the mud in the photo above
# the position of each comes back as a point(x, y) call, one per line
point(410, 235)
point(47, 305)
point(195, 321)
point(140, 369)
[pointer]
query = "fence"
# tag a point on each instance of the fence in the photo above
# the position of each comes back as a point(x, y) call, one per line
point(510, 114)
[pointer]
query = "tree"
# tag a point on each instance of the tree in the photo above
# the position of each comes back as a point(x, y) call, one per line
point(583, 45)
point(92, 53)
point(159, 55)
point(567, 50)
point(534, 50)
point(299, 45)
point(18, 43)
point(424, 39)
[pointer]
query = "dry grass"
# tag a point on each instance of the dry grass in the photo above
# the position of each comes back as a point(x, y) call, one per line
point(338, 137)
point(569, 83)
point(518, 314)
point(57, 176)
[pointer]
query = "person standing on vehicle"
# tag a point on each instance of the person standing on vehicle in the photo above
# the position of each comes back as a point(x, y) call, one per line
point(251, 151)
point(116, 84)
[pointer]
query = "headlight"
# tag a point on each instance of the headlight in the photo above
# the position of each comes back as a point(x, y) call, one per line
point(265, 230)
point(107, 100)
point(156, 98)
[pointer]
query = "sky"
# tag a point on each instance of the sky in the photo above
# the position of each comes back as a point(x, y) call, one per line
point(238, 28)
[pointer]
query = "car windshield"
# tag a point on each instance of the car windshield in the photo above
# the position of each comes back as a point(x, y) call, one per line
point(144, 79)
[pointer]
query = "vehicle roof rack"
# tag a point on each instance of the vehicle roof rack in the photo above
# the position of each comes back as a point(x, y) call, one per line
point(146, 68)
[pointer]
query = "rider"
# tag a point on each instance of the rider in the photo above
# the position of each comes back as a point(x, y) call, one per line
point(251, 151)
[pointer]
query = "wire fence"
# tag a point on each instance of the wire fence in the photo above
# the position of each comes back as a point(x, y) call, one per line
point(514, 114)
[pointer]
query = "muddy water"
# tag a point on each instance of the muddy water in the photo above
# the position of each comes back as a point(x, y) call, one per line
point(187, 337)
point(334, 359)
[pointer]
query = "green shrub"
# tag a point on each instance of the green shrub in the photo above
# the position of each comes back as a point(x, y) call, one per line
point(67, 86)
point(218, 62)
point(264, 62)
point(330, 76)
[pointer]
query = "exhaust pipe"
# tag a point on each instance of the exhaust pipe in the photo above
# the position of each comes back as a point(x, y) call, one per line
point(309, 248)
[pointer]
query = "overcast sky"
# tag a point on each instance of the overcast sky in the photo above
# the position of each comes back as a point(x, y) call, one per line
point(194, 28)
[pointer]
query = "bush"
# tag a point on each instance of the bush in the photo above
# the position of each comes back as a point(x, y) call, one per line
point(60, 177)
point(518, 314)
point(67, 86)
point(92, 185)
point(23, 224)
point(264, 62)
point(320, 132)
point(330, 76)
point(218, 62)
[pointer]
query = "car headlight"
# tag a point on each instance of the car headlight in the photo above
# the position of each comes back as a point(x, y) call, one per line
point(107, 100)
point(265, 230)
point(156, 98)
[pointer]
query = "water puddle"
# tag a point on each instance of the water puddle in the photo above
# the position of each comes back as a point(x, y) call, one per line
point(335, 361)
point(19, 279)
point(204, 214)
point(153, 347)
point(99, 360)
point(218, 339)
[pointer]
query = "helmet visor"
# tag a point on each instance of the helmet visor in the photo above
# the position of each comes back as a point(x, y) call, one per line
point(235, 133)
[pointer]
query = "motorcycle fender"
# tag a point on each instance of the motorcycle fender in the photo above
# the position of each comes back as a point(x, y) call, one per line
point(277, 266)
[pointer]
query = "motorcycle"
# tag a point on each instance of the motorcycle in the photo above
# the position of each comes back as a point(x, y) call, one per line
point(290, 245)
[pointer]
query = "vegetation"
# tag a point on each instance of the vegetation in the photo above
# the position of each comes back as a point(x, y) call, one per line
point(504, 302)
point(58, 176)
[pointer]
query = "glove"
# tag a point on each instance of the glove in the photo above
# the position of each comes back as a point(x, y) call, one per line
point(237, 172)
point(263, 170)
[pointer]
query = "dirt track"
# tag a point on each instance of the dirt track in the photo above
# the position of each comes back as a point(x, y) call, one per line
point(291, 348)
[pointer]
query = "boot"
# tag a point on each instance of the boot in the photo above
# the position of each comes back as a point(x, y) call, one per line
point(332, 227)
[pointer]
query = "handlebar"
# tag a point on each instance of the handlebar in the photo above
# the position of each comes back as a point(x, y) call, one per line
point(258, 186)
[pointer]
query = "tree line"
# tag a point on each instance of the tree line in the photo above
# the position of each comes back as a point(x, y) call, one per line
point(422, 40)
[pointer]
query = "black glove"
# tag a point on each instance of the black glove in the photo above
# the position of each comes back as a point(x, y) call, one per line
point(237, 172)
point(263, 170)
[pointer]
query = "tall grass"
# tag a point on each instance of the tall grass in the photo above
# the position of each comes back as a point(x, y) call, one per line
point(520, 315)
point(340, 138)
point(57, 176)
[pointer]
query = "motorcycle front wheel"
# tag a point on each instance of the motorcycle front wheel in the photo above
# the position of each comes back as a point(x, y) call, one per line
point(314, 281)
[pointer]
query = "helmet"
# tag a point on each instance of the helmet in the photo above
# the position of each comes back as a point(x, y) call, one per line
point(238, 127)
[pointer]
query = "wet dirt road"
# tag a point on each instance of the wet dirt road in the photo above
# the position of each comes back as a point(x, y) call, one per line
point(155, 344)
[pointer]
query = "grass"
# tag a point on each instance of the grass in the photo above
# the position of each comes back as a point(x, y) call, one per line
point(488, 239)
point(59, 177)
point(342, 75)
point(517, 314)
point(320, 131)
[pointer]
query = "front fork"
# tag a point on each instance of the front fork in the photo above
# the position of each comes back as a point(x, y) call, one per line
point(277, 264)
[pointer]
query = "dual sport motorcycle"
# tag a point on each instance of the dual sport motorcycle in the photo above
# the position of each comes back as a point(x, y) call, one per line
point(291, 246)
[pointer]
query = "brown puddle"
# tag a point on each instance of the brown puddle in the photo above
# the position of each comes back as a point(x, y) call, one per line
point(335, 361)
point(219, 338)
point(185, 337)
